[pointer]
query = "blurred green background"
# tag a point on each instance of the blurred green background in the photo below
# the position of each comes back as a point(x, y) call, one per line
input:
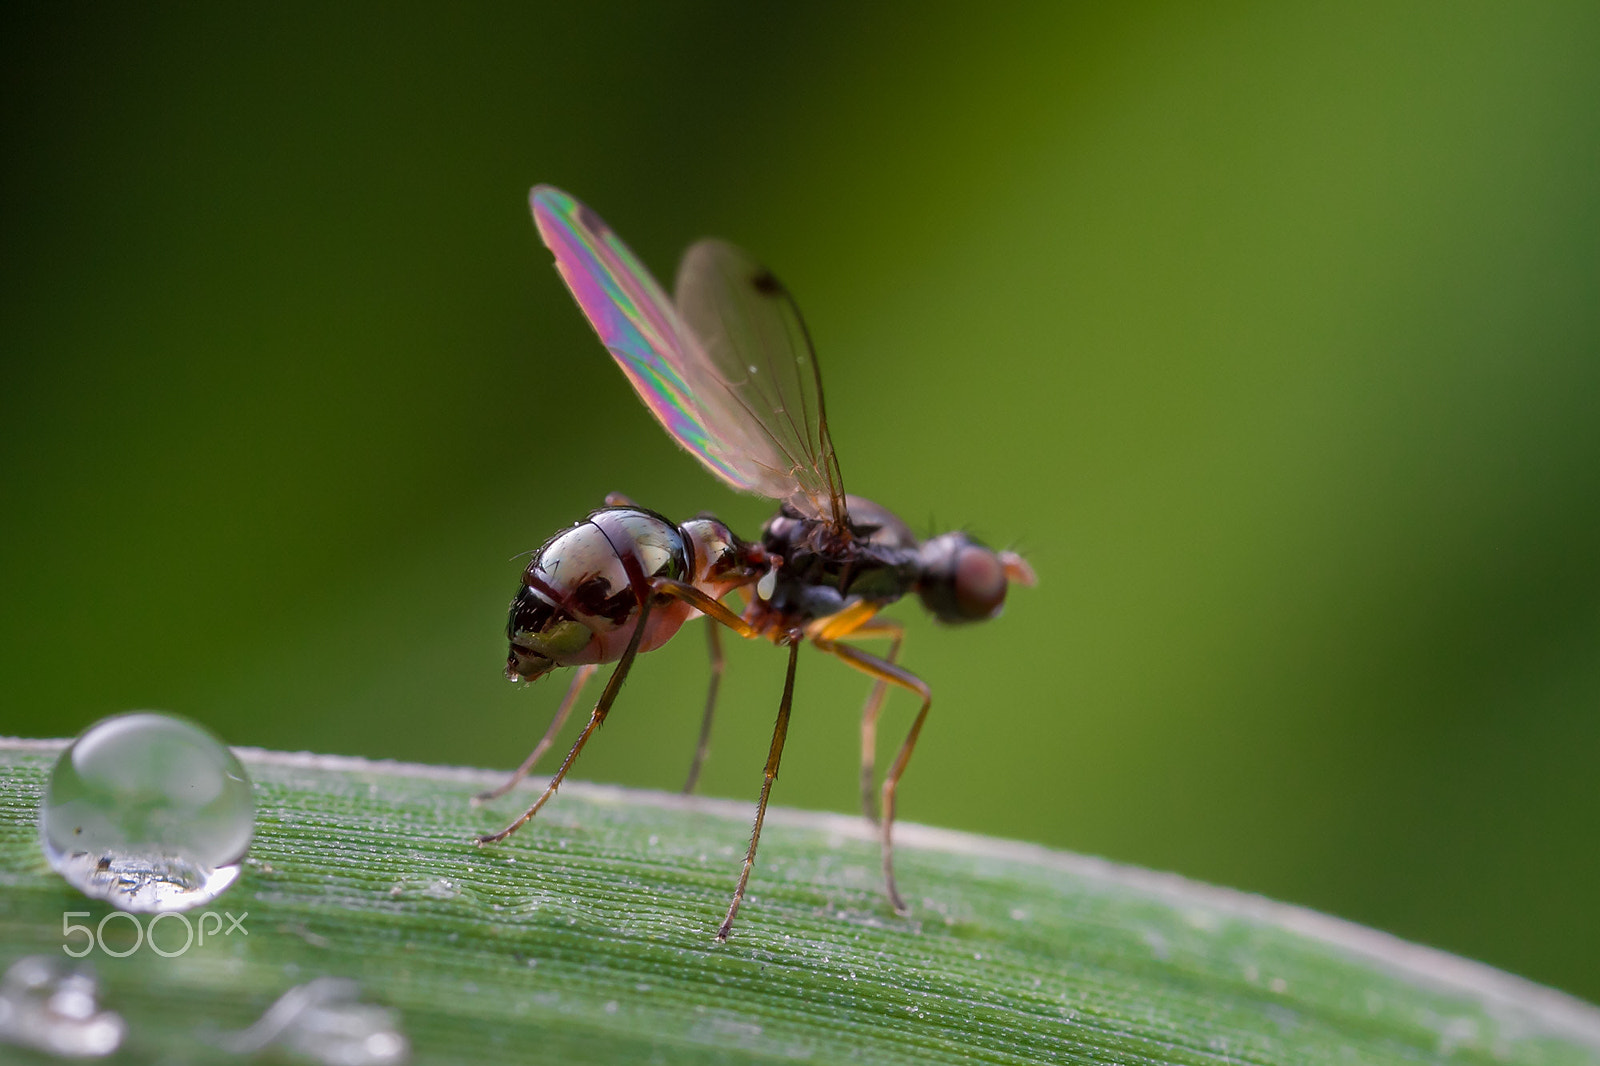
point(1270, 333)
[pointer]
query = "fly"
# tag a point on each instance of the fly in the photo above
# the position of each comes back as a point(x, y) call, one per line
point(727, 368)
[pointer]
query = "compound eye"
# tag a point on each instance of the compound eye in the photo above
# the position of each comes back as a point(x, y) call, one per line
point(980, 582)
point(961, 581)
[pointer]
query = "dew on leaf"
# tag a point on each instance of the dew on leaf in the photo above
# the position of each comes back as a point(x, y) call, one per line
point(149, 812)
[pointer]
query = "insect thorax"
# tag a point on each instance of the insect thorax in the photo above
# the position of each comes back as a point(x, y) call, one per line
point(823, 571)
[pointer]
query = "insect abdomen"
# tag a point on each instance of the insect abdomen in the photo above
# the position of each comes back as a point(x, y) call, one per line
point(577, 604)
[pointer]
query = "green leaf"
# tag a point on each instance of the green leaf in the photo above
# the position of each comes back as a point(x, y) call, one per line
point(588, 937)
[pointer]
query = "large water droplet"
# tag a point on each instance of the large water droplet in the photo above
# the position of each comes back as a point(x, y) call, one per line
point(149, 812)
point(325, 1021)
point(51, 1006)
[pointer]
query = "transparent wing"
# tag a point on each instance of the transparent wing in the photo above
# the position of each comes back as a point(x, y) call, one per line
point(645, 334)
point(750, 332)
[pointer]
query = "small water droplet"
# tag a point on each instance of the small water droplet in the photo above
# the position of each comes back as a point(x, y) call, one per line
point(324, 1021)
point(49, 1005)
point(149, 812)
point(752, 370)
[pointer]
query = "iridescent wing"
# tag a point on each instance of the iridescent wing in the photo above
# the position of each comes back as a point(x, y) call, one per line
point(751, 333)
point(635, 320)
point(743, 431)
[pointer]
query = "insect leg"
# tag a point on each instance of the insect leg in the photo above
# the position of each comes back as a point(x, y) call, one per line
point(715, 612)
point(601, 709)
point(889, 673)
point(579, 679)
point(845, 622)
point(703, 603)
point(869, 712)
point(715, 642)
point(780, 730)
point(854, 622)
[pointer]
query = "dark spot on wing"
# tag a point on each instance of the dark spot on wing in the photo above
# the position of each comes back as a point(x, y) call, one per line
point(767, 284)
point(590, 220)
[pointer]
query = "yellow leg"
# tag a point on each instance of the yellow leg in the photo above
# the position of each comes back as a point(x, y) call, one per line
point(856, 622)
point(841, 625)
point(888, 673)
point(895, 633)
